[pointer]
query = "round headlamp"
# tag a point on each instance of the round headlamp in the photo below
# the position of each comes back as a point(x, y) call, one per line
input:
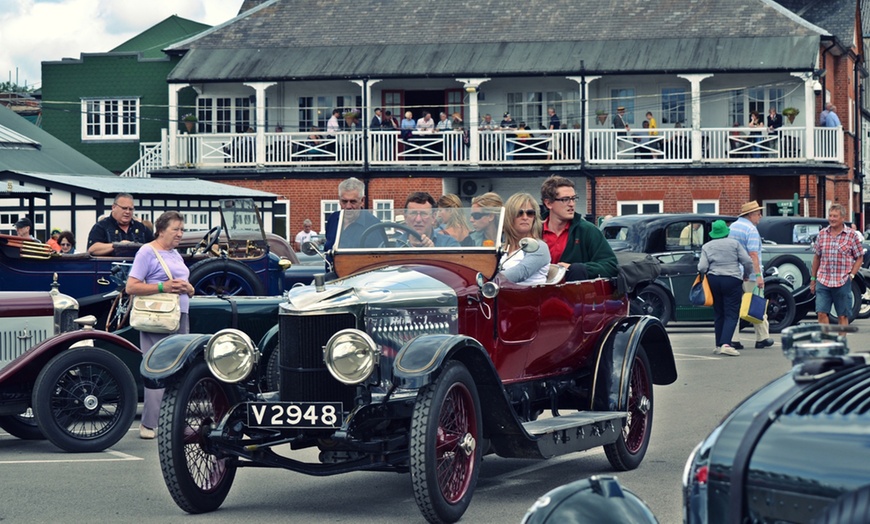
point(350, 356)
point(230, 355)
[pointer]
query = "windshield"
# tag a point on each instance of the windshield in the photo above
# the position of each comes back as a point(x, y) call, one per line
point(420, 226)
point(241, 220)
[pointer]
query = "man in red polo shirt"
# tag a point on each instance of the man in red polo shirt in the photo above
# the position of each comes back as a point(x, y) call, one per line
point(575, 243)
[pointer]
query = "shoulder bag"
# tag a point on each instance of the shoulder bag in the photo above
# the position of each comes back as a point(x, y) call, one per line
point(700, 294)
point(157, 313)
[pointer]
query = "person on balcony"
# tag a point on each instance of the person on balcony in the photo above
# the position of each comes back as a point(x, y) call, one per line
point(652, 124)
point(426, 125)
point(509, 124)
point(755, 123)
point(823, 116)
point(487, 140)
point(774, 120)
point(574, 242)
point(390, 123)
point(333, 126)
point(120, 226)
point(444, 123)
point(622, 130)
point(377, 121)
point(555, 125)
point(832, 119)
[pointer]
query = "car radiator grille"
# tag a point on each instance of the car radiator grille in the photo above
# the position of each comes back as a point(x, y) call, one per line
point(846, 394)
point(304, 377)
point(14, 342)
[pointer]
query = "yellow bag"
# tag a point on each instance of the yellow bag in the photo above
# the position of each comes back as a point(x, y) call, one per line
point(753, 307)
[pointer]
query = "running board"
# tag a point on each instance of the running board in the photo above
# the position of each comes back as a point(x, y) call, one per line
point(575, 432)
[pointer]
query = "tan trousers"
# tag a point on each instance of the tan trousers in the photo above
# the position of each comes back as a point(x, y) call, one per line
point(762, 330)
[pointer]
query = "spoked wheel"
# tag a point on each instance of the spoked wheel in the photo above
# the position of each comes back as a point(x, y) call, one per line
point(629, 449)
point(119, 313)
point(197, 479)
point(22, 425)
point(84, 400)
point(780, 307)
point(792, 269)
point(445, 451)
point(654, 301)
point(864, 309)
point(217, 276)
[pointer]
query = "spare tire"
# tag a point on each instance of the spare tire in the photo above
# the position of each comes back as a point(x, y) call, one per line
point(218, 276)
point(792, 269)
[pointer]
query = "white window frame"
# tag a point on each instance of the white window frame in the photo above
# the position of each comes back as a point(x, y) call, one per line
point(715, 203)
point(674, 101)
point(626, 97)
point(327, 207)
point(290, 237)
point(96, 113)
point(224, 114)
point(639, 204)
point(383, 209)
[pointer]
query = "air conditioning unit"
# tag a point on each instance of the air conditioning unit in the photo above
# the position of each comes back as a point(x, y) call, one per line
point(471, 187)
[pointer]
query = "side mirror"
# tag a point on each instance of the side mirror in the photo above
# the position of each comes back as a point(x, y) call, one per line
point(487, 289)
point(529, 245)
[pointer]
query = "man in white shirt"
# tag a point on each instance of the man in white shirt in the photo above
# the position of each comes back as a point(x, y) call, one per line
point(333, 127)
point(306, 234)
point(426, 124)
point(444, 124)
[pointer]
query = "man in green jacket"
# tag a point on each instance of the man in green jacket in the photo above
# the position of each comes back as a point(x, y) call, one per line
point(575, 243)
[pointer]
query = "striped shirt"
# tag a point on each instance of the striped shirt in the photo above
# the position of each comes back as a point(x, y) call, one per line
point(746, 233)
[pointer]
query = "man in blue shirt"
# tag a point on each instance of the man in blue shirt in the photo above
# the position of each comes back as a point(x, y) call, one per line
point(832, 120)
point(420, 216)
point(745, 232)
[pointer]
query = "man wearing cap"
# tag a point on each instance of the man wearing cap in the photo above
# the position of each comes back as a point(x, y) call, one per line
point(837, 259)
point(23, 227)
point(622, 129)
point(117, 227)
point(745, 232)
point(52, 241)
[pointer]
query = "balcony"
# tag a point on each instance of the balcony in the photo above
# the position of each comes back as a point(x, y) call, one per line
point(730, 145)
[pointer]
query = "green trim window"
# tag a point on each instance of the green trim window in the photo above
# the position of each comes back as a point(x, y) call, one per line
point(110, 119)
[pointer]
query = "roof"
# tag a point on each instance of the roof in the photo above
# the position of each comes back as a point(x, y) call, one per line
point(836, 16)
point(153, 187)
point(46, 154)
point(153, 40)
point(300, 39)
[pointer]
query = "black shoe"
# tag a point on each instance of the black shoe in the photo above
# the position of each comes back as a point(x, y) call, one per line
point(737, 345)
point(766, 343)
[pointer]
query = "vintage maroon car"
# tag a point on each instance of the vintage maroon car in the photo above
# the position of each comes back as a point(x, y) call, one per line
point(67, 383)
point(413, 360)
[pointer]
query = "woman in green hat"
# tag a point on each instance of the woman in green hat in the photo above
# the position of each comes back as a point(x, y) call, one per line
point(722, 259)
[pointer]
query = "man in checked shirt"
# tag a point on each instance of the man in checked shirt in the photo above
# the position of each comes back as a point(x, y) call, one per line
point(838, 257)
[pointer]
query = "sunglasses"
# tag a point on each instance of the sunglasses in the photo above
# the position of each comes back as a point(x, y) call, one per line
point(527, 212)
point(478, 216)
point(66, 244)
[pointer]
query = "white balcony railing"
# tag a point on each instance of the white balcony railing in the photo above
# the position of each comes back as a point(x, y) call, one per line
point(737, 145)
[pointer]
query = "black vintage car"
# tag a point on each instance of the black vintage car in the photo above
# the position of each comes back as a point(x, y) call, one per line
point(669, 238)
point(795, 452)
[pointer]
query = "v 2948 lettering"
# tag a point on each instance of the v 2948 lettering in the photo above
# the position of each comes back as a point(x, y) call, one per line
point(294, 414)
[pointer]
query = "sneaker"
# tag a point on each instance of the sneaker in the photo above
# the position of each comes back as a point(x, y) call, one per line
point(146, 432)
point(737, 345)
point(728, 350)
point(766, 343)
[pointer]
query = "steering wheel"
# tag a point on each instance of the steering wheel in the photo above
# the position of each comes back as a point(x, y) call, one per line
point(380, 226)
point(209, 240)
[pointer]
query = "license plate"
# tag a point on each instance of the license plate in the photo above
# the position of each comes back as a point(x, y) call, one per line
point(294, 414)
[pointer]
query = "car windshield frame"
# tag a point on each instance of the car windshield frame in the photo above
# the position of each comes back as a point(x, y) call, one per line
point(241, 220)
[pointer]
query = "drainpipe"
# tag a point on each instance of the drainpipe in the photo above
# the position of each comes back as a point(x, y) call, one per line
point(858, 175)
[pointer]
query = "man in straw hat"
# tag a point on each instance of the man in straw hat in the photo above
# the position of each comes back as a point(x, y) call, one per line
point(745, 232)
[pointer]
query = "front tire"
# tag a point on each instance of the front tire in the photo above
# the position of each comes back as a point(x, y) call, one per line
point(223, 277)
point(445, 444)
point(198, 480)
point(84, 400)
point(781, 310)
point(629, 449)
point(22, 426)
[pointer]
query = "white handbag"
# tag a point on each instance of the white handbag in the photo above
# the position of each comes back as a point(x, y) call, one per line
point(157, 313)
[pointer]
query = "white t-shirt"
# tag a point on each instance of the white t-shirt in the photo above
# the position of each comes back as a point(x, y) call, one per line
point(302, 236)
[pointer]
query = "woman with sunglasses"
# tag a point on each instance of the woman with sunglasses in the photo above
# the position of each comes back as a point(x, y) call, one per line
point(484, 220)
point(67, 243)
point(522, 220)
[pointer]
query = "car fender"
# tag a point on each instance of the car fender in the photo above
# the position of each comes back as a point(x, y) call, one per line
point(421, 360)
point(778, 280)
point(616, 352)
point(170, 356)
point(26, 367)
point(268, 339)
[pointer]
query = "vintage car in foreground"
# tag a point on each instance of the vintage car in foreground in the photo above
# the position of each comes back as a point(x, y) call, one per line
point(232, 259)
point(796, 451)
point(67, 384)
point(676, 240)
point(412, 360)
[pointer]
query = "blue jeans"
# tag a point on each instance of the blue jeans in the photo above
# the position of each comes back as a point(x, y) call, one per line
point(840, 297)
point(727, 292)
